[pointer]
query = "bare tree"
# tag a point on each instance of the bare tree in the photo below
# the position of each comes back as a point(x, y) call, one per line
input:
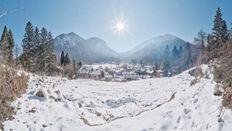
point(16, 54)
point(201, 41)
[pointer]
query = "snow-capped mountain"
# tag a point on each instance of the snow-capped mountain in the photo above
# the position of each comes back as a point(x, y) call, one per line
point(87, 50)
point(96, 50)
point(155, 47)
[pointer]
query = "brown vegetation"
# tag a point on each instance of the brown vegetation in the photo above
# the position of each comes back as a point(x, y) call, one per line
point(12, 85)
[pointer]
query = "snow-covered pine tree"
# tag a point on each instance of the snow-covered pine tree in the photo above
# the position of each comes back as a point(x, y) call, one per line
point(50, 58)
point(28, 43)
point(36, 48)
point(43, 51)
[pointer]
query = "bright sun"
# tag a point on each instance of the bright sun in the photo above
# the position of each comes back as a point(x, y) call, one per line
point(120, 26)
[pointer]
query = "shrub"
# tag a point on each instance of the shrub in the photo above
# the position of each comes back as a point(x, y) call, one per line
point(12, 85)
point(217, 74)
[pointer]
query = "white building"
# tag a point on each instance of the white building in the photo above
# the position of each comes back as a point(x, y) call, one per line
point(130, 76)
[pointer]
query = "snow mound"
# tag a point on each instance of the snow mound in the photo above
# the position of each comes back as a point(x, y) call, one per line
point(161, 104)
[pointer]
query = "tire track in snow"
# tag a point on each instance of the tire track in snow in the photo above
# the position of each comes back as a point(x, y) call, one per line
point(85, 121)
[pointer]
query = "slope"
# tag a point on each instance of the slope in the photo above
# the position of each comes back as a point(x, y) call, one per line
point(144, 105)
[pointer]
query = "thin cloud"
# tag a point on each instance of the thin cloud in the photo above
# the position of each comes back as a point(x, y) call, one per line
point(12, 11)
point(3, 14)
point(17, 9)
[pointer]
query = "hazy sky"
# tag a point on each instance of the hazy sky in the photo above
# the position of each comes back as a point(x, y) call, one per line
point(143, 19)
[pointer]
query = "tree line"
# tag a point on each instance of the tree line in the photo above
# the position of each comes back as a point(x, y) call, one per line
point(177, 59)
point(216, 51)
point(37, 54)
point(37, 50)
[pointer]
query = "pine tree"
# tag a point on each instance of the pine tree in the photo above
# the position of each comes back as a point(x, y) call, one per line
point(67, 59)
point(189, 62)
point(16, 54)
point(4, 45)
point(79, 65)
point(225, 32)
point(220, 32)
point(36, 37)
point(43, 49)
point(38, 54)
point(62, 58)
point(7, 45)
point(180, 52)
point(156, 65)
point(28, 43)
point(10, 47)
point(230, 34)
point(166, 61)
point(50, 57)
point(174, 53)
point(36, 48)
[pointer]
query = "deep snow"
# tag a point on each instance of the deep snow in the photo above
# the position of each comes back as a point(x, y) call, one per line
point(159, 104)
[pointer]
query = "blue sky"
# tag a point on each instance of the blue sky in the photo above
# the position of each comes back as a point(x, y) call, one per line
point(89, 18)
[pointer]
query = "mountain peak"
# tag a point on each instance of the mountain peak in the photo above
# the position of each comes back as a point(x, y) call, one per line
point(71, 33)
point(166, 37)
point(93, 49)
point(155, 46)
point(96, 40)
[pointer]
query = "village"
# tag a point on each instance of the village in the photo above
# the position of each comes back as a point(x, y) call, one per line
point(118, 73)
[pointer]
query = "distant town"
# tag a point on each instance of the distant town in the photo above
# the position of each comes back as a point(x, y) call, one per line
point(119, 73)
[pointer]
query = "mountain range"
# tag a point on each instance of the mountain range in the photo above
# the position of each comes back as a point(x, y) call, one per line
point(95, 50)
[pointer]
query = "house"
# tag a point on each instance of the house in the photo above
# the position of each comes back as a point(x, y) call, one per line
point(108, 77)
point(95, 74)
point(130, 76)
point(158, 73)
point(83, 72)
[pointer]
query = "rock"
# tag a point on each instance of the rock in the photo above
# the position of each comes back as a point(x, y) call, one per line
point(40, 93)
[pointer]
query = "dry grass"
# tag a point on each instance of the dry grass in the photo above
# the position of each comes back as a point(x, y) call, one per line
point(223, 73)
point(12, 85)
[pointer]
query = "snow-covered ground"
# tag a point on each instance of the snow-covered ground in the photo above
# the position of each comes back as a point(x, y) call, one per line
point(160, 104)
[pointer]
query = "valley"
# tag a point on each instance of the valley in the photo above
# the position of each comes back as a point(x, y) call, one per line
point(143, 105)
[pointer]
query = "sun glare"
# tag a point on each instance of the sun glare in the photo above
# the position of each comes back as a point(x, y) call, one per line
point(120, 26)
